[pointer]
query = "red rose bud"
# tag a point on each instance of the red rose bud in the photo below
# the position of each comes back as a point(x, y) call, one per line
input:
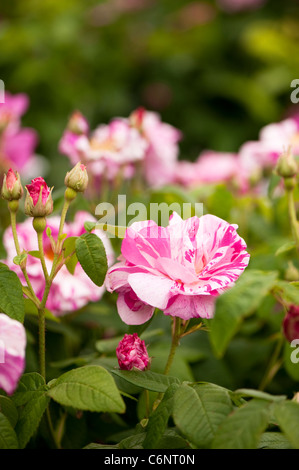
point(38, 202)
point(12, 189)
point(291, 323)
point(77, 178)
point(78, 124)
point(131, 353)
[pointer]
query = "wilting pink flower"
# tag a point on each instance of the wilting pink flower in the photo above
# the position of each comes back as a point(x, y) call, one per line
point(12, 353)
point(291, 323)
point(69, 292)
point(17, 144)
point(131, 353)
point(162, 151)
point(274, 139)
point(180, 269)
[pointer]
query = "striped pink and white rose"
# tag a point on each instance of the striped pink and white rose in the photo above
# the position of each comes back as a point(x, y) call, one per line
point(180, 269)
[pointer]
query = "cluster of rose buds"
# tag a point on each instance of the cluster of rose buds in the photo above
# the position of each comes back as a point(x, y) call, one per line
point(39, 202)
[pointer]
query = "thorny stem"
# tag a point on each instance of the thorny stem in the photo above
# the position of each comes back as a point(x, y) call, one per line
point(42, 255)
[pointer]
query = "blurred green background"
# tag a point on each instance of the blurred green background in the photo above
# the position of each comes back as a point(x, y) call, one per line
point(218, 76)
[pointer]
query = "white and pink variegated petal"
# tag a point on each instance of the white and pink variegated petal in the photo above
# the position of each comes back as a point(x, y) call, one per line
point(186, 307)
point(152, 289)
point(183, 238)
point(144, 242)
point(12, 353)
point(117, 275)
point(133, 312)
point(176, 271)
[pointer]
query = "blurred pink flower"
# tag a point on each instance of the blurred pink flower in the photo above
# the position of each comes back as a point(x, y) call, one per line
point(69, 292)
point(17, 144)
point(210, 167)
point(109, 149)
point(12, 353)
point(233, 6)
point(273, 140)
point(162, 152)
point(291, 323)
point(180, 269)
point(131, 353)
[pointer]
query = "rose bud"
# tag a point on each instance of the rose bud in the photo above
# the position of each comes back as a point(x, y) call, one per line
point(12, 189)
point(131, 353)
point(291, 323)
point(38, 202)
point(77, 178)
point(78, 124)
point(287, 166)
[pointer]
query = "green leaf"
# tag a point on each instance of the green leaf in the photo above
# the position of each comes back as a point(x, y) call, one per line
point(8, 408)
point(246, 392)
point(90, 226)
point(28, 387)
point(30, 417)
point(109, 345)
point(199, 409)
point(288, 291)
point(285, 248)
point(11, 294)
point(92, 257)
point(274, 440)
point(88, 388)
point(8, 438)
point(69, 247)
point(243, 428)
point(287, 415)
point(20, 258)
point(237, 303)
point(159, 418)
point(35, 254)
point(146, 379)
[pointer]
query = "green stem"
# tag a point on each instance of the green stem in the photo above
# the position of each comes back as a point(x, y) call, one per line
point(42, 254)
point(62, 222)
point(13, 222)
point(292, 216)
point(273, 365)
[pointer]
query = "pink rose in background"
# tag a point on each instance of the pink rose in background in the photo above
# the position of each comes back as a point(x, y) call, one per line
point(131, 353)
point(291, 323)
point(210, 167)
point(162, 152)
point(17, 144)
point(107, 150)
point(180, 269)
point(69, 292)
point(273, 140)
point(12, 353)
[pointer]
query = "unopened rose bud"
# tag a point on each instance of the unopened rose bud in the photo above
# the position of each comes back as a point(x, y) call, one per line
point(287, 166)
point(38, 202)
point(12, 189)
point(291, 323)
point(78, 124)
point(131, 353)
point(77, 178)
